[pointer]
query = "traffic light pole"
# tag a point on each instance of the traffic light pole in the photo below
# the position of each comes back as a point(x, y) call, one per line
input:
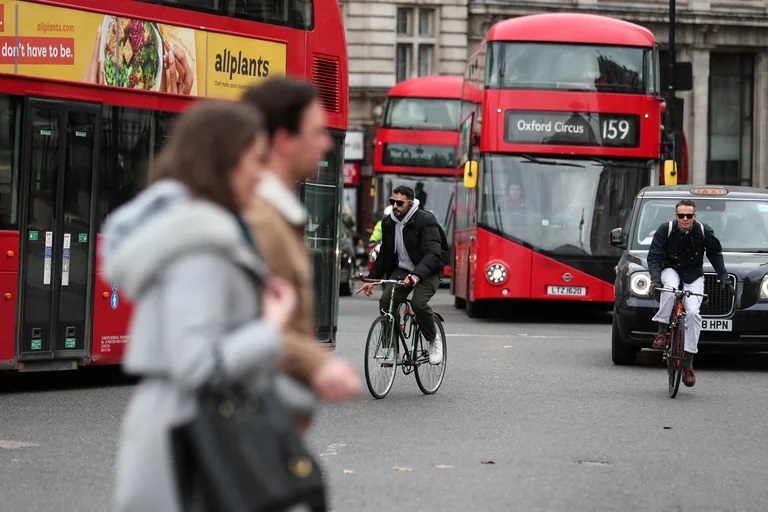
point(671, 129)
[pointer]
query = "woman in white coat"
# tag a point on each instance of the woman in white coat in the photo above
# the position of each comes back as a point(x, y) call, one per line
point(180, 252)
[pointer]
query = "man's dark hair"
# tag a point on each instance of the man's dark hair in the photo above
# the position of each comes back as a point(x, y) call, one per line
point(283, 102)
point(404, 191)
point(685, 202)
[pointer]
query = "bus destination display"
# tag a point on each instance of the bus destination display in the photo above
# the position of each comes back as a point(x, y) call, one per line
point(419, 155)
point(572, 129)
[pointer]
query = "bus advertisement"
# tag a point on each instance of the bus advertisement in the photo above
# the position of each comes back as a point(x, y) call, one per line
point(416, 145)
point(85, 104)
point(568, 130)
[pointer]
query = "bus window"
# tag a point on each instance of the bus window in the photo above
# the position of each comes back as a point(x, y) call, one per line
point(127, 143)
point(422, 113)
point(549, 66)
point(10, 124)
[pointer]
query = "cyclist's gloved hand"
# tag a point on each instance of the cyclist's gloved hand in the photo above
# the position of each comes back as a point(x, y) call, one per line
point(725, 284)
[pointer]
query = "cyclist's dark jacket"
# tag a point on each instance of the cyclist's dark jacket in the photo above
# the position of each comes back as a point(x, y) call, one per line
point(421, 235)
point(684, 252)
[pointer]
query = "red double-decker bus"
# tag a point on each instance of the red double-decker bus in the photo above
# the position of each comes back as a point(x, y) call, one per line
point(416, 144)
point(87, 92)
point(568, 131)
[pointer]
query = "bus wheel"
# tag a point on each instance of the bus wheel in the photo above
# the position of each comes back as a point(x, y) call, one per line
point(459, 303)
point(473, 309)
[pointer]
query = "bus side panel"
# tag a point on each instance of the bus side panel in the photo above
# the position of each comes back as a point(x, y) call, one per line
point(461, 255)
point(608, 293)
point(111, 318)
point(9, 272)
point(514, 257)
point(549, 272)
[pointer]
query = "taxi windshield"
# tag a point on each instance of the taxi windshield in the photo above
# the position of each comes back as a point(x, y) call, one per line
point(741, 225)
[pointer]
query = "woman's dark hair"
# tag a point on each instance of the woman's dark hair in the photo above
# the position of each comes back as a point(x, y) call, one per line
point(206, 143)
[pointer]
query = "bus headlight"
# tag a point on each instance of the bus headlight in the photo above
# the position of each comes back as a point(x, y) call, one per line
point(764, 288)
point(496, 273)
point(640, 284)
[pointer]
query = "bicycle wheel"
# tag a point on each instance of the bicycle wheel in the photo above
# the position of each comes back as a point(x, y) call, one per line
point(380, 357)
point(675, 359)
point(430, 376)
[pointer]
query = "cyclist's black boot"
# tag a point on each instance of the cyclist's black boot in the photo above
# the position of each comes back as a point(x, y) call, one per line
point(689, 376)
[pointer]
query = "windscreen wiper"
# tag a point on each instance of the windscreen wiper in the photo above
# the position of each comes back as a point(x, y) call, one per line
point(609, 163)
point(535, 160)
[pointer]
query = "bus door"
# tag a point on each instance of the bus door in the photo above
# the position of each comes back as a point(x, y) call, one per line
point(57, 235)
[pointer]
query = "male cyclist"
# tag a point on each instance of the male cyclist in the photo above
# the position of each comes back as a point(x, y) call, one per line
point(677, 253)
point(411, 250)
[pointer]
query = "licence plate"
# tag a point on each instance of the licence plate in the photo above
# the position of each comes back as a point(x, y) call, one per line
point(715, 324)
point(566, 290)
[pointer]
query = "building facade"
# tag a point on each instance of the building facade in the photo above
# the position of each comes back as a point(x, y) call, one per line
point(726, 113)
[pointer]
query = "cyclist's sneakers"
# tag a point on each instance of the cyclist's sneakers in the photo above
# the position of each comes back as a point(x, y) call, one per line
point(660, 342)
point(689, 377)
point(436, 350)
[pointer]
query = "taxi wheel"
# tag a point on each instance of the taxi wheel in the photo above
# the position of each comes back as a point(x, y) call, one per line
point(621, 354)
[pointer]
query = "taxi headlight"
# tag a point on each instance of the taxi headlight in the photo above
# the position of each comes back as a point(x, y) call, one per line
point(640, 284)
point(764, 288)
point(496, 273)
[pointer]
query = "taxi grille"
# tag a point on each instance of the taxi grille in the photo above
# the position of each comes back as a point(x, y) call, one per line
point(719, 302)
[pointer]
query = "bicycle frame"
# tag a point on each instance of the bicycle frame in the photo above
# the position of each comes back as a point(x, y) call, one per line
point(413, 331)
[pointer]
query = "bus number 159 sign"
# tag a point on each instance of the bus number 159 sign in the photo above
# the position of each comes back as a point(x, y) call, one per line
point(572, 129)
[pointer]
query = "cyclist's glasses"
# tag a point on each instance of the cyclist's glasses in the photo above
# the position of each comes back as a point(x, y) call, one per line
point(685, 215)
point(397, 202)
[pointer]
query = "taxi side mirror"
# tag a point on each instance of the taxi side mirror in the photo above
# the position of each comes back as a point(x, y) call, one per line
point(670, 172)
point(618, 239)
point(470, 174)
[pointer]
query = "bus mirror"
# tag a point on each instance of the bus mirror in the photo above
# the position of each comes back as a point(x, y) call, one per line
point(470, 174)
point(670, 172)
point(617, 238)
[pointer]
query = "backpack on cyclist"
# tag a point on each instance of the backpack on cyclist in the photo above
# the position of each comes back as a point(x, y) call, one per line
point(445, 254)
point(669, 231)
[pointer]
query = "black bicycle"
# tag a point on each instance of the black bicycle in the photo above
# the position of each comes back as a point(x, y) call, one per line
point(382, 350)
point(674, 351)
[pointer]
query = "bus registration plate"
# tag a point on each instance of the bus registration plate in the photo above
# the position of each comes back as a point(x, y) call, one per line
point(715, 324)
point(566, 290)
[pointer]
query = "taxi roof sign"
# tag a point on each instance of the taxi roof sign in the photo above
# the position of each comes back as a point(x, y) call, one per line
point(709, 191)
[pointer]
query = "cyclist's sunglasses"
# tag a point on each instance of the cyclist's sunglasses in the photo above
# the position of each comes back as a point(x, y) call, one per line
point(397, 202)
point(685, 215)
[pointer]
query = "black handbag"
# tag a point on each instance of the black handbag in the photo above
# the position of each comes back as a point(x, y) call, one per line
point(241, 452)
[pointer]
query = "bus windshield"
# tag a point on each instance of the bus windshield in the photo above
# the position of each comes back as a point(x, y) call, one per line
point(422, 114)
point(572, 67)
point(740, 225)
point(565, 207)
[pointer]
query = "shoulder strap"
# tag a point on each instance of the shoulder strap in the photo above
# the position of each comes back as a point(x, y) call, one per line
point(669, 231)
point(702, 230)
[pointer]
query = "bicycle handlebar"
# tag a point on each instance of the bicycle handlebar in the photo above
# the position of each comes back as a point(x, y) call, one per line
point(381, 281)
point(687, 293)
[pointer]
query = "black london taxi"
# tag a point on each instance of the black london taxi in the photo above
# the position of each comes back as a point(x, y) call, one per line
point(739, 218)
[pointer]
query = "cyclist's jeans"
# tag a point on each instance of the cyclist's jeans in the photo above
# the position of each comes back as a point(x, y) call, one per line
point(422, 292)
point(670, 279)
